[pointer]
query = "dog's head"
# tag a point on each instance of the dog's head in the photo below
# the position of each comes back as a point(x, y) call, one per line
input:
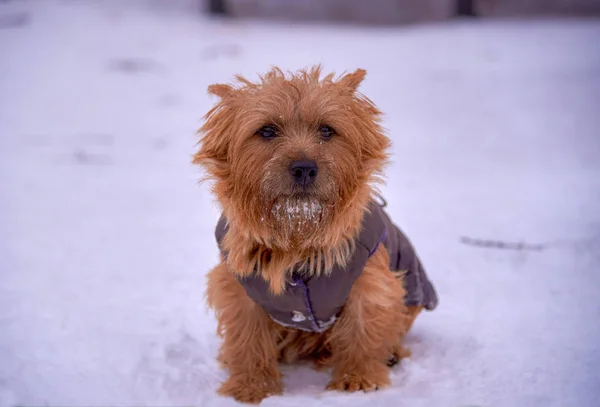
point(293, 156)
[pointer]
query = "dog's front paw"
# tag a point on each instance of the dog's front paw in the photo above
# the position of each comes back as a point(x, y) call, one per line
point(356, 382)
point(250, 388)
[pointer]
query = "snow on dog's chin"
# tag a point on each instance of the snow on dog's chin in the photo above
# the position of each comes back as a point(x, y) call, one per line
point(301, 215)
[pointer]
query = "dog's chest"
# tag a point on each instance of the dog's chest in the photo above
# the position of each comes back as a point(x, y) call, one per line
point(306, 304)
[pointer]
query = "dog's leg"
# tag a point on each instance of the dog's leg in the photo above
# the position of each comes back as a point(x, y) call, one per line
point(399, 352)
point(412, 311)
point(370, 327)
point(249, 342)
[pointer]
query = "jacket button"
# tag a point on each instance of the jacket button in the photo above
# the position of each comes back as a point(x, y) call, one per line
point(297, 316)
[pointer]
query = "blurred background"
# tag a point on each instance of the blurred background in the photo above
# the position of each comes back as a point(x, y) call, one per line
point(396, 12)
point(105, 235)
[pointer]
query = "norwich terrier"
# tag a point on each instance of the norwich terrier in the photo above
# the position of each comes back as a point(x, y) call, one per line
point(311, 266)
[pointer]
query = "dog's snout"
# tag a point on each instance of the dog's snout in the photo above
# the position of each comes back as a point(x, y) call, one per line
point(304, 172)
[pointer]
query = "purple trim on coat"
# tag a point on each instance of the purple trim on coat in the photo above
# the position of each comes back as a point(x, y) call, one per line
point(381, 240)
point(312, 317)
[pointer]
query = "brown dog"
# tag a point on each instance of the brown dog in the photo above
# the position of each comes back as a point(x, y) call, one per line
point(311, 266)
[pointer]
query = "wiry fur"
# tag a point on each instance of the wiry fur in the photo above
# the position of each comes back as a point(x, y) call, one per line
point(273, 228)
point(240, 163)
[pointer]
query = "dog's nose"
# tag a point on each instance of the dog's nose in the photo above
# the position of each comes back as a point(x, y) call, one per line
point(304, 172)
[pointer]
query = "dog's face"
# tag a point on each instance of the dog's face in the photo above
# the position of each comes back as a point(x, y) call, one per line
point(291, 153)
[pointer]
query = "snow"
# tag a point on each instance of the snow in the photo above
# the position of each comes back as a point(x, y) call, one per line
point(299, 213)
point(106, 236)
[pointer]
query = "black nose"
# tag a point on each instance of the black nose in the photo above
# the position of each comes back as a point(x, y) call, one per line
point(304, 172)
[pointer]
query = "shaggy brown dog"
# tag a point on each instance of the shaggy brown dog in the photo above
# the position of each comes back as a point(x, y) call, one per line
point(294, 159)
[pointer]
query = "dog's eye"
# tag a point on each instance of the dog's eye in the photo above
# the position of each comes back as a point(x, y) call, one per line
point(326, 132)
point(267, 132)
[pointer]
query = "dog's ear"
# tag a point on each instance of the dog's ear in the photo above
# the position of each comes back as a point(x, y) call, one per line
point(220, 89)
point(353, 80)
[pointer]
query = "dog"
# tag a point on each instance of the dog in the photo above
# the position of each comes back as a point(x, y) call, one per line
point(311, 267)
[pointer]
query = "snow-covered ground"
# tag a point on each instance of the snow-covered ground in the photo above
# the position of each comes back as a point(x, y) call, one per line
point(106, 236)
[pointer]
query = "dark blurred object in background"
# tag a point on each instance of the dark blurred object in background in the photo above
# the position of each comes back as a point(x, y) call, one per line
point(355, 11)
point(217, 6)
point(513, 8)
point(396, 11)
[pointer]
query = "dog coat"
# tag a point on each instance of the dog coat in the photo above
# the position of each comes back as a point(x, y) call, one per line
point(314, 303)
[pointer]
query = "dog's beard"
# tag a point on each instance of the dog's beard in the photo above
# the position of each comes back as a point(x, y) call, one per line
point(298, 216)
